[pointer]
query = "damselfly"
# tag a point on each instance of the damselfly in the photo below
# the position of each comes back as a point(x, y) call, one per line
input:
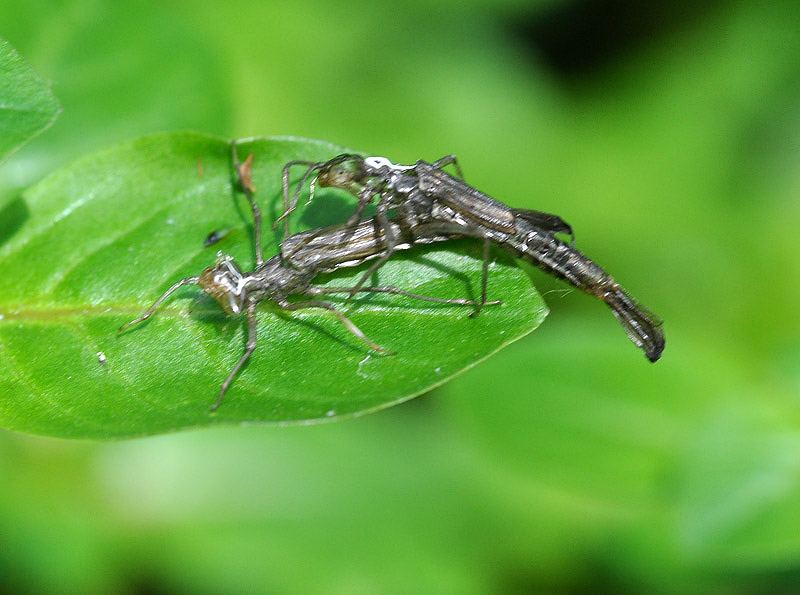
point(424, 194)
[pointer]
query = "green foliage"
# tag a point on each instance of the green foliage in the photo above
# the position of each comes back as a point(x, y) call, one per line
point(564, 463)
point(102, 238)
point(27, 106)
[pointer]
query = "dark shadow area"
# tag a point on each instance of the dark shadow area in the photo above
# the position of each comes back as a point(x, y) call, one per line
point(330, 208)
point(205, 308)
point(767, 582)
point(12, 216)
point(143, 581)
point(583, 37)
point(595, 578)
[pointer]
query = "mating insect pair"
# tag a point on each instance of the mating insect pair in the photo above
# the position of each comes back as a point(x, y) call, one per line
point(430, 206)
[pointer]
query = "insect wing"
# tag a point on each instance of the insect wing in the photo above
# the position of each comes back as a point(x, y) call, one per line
point(472, 205)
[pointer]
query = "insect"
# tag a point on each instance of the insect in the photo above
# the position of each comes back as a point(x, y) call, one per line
point(425, 194)
point(239, 292)
point(216, 236)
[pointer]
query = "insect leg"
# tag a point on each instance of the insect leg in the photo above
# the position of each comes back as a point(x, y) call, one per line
point(290, 205)
point(243, 171)
point(390, 241)
point(159, 301)
point(364, 198)
point(292, 306)
point(449, 160)
point(484, 277)
point(252, 341)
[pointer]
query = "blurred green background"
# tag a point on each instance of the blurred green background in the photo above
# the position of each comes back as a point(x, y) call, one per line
point(666, 133)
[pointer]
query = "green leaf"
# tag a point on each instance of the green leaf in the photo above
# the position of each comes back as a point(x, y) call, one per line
point(27, 106)
point(93, 245)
